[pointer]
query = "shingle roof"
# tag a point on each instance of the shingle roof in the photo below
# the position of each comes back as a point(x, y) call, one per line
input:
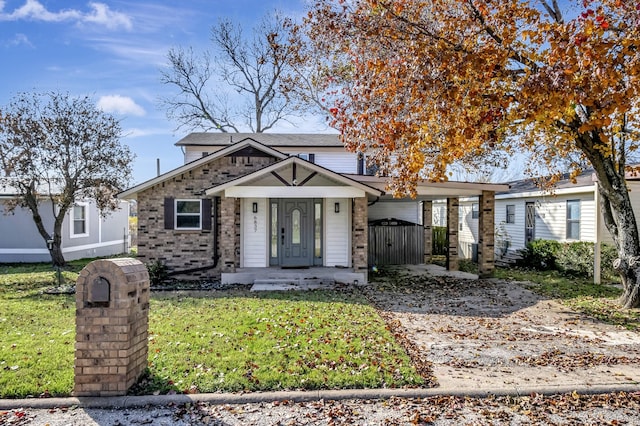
point(269, 139)
point(529, 184)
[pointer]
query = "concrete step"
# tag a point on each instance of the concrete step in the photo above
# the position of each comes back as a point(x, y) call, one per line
point(275, 284)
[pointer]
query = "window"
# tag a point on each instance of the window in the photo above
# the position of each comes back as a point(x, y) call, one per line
point(511, 213)
point(475, 211)
point(79, 226)
point(573, 219)
point(317, 246)
point(188, 214)
point(274, 230)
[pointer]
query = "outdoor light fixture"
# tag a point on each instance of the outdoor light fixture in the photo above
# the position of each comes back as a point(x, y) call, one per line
point(255, 207)
point(336, 207)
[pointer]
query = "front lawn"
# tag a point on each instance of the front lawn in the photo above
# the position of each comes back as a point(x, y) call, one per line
point(205, 342)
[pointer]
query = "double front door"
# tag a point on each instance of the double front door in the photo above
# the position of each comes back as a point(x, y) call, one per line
point(295, 232)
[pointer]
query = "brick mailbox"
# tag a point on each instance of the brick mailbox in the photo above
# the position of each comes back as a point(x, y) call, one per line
point(112, 320)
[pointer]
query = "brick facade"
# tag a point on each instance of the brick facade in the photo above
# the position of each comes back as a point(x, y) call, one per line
point(183, 250)
point(360, 234)
point(112, 320)
point(486, 234)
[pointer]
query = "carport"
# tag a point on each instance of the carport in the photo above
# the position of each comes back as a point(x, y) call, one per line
point(427, 192)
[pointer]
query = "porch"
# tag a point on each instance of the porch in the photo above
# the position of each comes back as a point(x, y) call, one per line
point(277, 278)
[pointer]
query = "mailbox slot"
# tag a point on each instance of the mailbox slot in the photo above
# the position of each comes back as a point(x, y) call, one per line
point(99, 292)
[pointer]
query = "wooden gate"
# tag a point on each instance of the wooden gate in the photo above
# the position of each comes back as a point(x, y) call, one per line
point(395, 242)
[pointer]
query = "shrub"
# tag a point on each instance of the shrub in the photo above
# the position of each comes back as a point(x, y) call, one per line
point(576, 259)
point(541, 254)
point(158, 272)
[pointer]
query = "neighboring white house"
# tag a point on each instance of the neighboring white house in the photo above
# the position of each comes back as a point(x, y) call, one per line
point(525, 213)
point(85, 233)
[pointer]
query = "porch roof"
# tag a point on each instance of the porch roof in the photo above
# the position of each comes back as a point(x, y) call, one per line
point(435, 190)
point(348, 187)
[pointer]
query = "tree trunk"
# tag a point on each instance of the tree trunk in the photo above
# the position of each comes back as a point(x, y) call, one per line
point(619, 218)
point(56, 256)
point(31, 201)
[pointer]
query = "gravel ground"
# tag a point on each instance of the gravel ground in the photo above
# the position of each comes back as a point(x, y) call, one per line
point(571, 409)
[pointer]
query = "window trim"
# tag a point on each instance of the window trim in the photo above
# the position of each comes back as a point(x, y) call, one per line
point(510, 215)
point(571, 221)
point(176, 214)
point(72, 215)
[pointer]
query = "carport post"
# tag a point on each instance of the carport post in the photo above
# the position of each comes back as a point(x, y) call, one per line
point(486, 237)
point(452, 233)
point(427, 221)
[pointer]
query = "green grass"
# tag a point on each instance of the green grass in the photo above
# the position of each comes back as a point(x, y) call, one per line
point(215, 341)
point(596, 300)
point(238, 341)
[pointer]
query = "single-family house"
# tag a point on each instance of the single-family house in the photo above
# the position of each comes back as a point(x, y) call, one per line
point(569, 212)
point(256, 203)
point(85, 232)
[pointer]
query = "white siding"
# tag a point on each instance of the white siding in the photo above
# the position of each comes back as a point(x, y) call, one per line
point(192, 154)
point(254, 233)
point(551, 218)
point(439, 213)
point(410, 211)
point(337, 243)
point(467, 228)
point(512, 232)
point(346, 162)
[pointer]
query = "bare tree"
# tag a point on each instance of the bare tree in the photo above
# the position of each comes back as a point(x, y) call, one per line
point(55, 150)
point(241, 86)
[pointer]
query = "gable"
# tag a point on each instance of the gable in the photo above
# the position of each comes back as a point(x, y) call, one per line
point(238, 156)
point(293, 177)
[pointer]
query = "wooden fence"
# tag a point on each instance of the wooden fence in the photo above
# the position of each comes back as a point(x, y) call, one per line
point(395, 242)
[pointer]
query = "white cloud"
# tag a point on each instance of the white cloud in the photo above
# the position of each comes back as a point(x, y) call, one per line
point(100, 14)
point(20, 39)
point(120, 105)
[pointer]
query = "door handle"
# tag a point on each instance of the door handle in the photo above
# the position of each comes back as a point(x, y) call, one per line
point(282, 236)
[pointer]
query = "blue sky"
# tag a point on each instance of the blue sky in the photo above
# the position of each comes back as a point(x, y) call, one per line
point(113, 51)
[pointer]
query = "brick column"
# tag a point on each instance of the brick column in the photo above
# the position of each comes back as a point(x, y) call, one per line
point(452, 233)
point(112, 321)
point(486, 237)
point(228, 234)
point(360, 235)
point(427, 223)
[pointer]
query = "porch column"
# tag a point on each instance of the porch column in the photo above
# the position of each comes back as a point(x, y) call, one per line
point(229, 235)
point(427, 223)
point(360, 235)
point(486, 237)
point(452, 233)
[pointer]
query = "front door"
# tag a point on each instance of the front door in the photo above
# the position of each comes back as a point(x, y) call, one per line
point(529, 222)
point(296, 232)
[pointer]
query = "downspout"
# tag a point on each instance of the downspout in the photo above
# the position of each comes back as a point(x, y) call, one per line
point(373, 202)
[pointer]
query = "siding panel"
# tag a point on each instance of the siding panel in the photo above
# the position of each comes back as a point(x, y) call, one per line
point(337, 232)
point(254, 233)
